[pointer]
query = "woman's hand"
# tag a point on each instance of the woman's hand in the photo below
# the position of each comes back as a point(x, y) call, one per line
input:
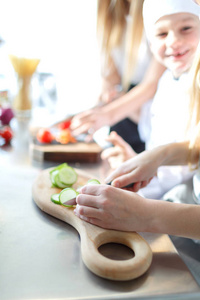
point(110, 95)
point(93, 119)
point(138, 170)
point(121, 151)
point(89, 121)
point(113, 208)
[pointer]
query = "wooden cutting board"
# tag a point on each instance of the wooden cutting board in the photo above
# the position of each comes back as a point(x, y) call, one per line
point(92, 237)
point(77, 152)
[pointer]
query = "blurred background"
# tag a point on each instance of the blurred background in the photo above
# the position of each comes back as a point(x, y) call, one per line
point(62, 34)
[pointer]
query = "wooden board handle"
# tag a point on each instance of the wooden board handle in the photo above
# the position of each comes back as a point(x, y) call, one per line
point(104, 267)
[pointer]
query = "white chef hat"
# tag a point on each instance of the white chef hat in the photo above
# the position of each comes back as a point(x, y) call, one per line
point(153, 10)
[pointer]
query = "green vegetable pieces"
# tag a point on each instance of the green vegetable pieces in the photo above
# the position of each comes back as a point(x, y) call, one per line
point(63, 176)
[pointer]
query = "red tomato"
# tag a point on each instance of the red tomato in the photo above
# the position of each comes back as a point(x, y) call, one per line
point(6, 134)
point(65, 137)
point(64, 125)
point(44, 136)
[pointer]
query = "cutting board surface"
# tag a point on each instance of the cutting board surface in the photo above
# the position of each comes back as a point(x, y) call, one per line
point(92, 237)
point(72, 152)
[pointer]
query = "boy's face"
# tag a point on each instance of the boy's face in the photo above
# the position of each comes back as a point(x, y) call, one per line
point(175, 40)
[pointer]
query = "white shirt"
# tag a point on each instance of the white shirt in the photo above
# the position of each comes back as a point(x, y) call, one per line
point(169, 110)
point(196, 186)
point(167, 118)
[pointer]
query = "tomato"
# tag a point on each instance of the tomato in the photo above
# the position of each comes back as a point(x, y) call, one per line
point(64, 125)
point(44, 136)
point(65, 137)
point(6, 134)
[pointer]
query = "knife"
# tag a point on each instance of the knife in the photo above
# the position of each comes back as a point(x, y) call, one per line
point(130, 185)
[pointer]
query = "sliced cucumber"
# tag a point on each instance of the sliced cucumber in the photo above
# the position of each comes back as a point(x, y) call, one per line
point(59, 167)
point(54, 172)
point(55, 198)
point(90, 181)
point(59, 183)
point(55, 180)
point(67, 176)
point(67, 197)
point(93, 181)
point(52, 177)
point(63, 176)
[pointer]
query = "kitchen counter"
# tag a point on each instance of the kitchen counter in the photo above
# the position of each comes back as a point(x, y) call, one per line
point(40, 256)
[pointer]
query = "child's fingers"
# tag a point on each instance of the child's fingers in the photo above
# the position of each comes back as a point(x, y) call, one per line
point(87, 200)
point(109, 152)
point(86, 211)
point(115, 162)
point(116, 139)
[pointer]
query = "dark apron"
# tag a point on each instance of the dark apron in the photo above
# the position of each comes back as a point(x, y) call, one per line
point(128, 130)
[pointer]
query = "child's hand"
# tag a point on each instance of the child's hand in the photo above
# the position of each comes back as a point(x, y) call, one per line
point(138, 170)
point(121, 151)
point(109, 207)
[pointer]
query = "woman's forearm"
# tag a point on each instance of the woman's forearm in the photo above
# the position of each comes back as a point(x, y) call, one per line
point(129, 103)
point(133, 100)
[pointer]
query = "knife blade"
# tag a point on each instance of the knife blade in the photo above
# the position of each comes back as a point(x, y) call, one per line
point(130, 185)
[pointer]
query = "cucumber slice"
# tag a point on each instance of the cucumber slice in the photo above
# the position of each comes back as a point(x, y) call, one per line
point(58, 183)
point(55, 198)
point(59, 167)
point(67, 176)
point(52, 177)
point(67, 197)
point(54, 172)
point(93, 181)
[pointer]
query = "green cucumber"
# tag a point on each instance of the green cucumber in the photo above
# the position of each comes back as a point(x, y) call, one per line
point(60, 184)
point(55, 180)
point(55, 198)
point(59, 167)
point(52, 177)
point(54, 172)
point(67, 197)
point(90, 181)
point(67, 176)
point(63, 176)
point(93, 181)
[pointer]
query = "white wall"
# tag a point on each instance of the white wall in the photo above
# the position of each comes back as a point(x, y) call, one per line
point(63, 34)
